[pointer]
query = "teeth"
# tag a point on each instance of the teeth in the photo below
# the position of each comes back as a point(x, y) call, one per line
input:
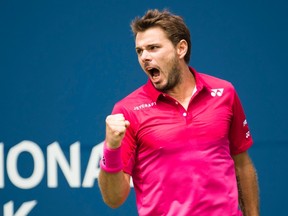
point(149, 69)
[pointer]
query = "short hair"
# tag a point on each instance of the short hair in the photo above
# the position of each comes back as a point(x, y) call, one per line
point(173, 25)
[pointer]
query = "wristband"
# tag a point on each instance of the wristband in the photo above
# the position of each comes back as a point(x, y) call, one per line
point(111, 161)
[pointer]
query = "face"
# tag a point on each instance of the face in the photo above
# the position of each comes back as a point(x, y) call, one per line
point(158, 58)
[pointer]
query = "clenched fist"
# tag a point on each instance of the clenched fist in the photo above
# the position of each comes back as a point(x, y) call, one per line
point(116, 126)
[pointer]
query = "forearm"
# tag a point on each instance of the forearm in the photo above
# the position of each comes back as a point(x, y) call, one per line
point(114, 187)
point(114, 184)
point(248, 188)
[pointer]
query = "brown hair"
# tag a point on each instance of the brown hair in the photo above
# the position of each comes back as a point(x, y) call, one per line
point(173, 25)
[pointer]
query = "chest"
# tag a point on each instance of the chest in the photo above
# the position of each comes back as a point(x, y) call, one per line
point(168, 123)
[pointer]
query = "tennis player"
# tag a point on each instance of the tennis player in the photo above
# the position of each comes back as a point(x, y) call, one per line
point(183, 136)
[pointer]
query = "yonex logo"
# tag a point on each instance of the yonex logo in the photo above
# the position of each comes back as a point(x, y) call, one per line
point(218, 92)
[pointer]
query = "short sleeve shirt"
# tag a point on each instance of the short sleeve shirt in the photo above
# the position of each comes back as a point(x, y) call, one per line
point(180, 160)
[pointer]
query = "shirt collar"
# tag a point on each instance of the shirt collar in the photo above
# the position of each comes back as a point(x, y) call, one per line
point(152, 91)
point(200, 82)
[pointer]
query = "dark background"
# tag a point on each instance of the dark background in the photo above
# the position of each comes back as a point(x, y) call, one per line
point(63, 65)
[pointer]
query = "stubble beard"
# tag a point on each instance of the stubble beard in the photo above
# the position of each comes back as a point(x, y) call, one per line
point(174, 77)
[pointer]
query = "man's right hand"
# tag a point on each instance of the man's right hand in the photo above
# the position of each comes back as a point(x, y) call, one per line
point(116, 126)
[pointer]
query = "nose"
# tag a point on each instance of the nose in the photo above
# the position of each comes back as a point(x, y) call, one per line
point(145, 56)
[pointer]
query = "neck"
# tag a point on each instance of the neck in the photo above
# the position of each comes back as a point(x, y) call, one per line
point(184, 90)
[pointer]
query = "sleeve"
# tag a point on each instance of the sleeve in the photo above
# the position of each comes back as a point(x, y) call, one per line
point(239, 135)
point(128, 145)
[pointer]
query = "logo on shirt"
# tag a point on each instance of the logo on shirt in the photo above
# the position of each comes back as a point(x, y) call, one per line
point(217, 92)
point(245, 123)
point(143, 106)
point(247, 134)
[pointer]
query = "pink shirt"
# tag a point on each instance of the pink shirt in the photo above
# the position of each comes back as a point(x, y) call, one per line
point(180, 160)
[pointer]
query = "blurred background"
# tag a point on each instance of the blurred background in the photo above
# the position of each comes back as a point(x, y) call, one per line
point(63, 65)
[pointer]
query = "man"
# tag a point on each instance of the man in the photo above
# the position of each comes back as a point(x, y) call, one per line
point(182, 137)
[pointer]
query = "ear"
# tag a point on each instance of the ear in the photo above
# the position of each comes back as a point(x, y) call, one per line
point(182, 48)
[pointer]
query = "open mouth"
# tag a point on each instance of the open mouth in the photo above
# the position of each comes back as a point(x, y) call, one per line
point(154, 72)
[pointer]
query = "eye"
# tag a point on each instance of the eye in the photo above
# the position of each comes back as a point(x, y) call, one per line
point(153, 47)
point(139, 51)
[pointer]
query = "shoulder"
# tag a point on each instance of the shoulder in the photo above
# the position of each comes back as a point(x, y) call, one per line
point(217, 87)
point(134, 101)
point(133, 107)
point(215, 82)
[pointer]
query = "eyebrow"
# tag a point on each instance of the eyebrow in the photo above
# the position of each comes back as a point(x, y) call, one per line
point(148, 46)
